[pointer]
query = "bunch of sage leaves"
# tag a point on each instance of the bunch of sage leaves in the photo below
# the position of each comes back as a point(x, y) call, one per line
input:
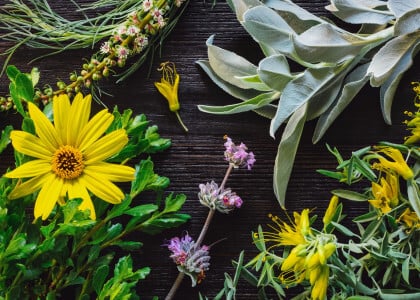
point(336, 65)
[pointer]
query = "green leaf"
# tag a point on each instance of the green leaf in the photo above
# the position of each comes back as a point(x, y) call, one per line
point(387, 58)
point(350, 195)
point(286, 153)
point(25, 87)
point(327, 43)
point(128, 245)
point(299, 91)
point(371, 229)
point(228, 65)
point(174, 204)
point(413, 195)
point(251, 104)
point(352, 84)
point(361, 12)
point(99, 276)
point(268, 27)
point(408, 23)
point(157, 225)
point(343, 229)
point(400, 7)
point(141, 210)
point(405, 269)
point(12, 72)
point(5, 137)
point(254, 82)
point(274, 71)
point(390, 85)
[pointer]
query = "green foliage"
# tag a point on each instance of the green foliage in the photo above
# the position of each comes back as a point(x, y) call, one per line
point(70, 253)
point(334, 65)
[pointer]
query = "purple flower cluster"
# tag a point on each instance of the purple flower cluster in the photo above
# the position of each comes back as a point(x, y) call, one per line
point(213, 197)
point(190, 258)
point(238, 155)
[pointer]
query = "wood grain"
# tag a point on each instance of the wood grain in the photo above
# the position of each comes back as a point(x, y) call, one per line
point(197, 157)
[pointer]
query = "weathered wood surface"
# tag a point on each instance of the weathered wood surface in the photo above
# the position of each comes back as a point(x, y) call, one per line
point(197, 157)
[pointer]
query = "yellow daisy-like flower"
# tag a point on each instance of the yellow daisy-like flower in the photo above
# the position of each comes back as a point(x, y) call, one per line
point(69, 156)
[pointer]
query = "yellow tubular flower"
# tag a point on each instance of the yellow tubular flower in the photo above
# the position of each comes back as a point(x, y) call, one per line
point(69, 157)
point(397, 164)
point(320, 285)
point(329, 213)
point(385, 194)
point(410, 219)
point(168, 87)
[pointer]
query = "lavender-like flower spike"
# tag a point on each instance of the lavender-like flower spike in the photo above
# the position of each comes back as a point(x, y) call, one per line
point(238, 155)
point(224, 201)
point(189, 257)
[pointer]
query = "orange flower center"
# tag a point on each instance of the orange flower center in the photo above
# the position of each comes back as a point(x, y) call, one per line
point(67, 162)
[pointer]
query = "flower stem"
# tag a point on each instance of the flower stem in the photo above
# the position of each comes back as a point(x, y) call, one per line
point(180, 121)
point(200, 239)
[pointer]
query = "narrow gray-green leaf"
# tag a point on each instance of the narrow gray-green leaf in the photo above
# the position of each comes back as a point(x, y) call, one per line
point(226, 86)
point(299, 91)
point(274, 71)
point(251, 104)
point(386, 59)
point(266, 26)
point(389, 87)
point(409, 22)
point(350, 195)
point(360, 11)
point(400, 7)
point(228, 65)
point(413, 196)
point(286, 153)
point(351, 86)
point(327, 43)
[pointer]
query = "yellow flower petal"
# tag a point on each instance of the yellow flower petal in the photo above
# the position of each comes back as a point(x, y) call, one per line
point(61, 108)
point(30, 169)
point(29, 144)
point(79, 116)
point(103, 188)
point(106, 146)
point(48, 197)
point(28, 187)
point(78, 190)
point(94, 129)
point(112, 172)
point(44, 129)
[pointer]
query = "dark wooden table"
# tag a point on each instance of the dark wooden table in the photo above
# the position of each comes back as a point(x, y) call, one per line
point(197, 157)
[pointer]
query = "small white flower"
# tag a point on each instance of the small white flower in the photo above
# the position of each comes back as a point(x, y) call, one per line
point(132, 30)
point(147, 5)
point(105, 48)
point(161, 21)
point(122, 52)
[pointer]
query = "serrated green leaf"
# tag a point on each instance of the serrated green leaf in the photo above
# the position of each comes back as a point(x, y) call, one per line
point(25, 90)
point(174, 204)
point(141, 210)
point(128, 245)
point(286, 153)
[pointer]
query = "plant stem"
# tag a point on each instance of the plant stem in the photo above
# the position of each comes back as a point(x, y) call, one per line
point(200, 239)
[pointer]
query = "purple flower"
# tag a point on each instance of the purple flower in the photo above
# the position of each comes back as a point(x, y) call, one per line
point(224, 201)
point(238, 155)
point(189, 257)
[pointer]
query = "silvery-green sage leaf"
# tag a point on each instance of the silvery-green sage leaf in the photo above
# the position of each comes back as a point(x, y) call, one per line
point(266, 26)
point(286, 153)
point(274, 71)
point(351, 86)
point(386, 59)
point(242, 94)
point(389, 87)
point(400, 7)
point(361, 11)
point(299, 91)
point(251, 104)
point(241, 6)
point(408, 22)
point(254, 82)
point(327, 43)
point(298, 18)
point(228, 65)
